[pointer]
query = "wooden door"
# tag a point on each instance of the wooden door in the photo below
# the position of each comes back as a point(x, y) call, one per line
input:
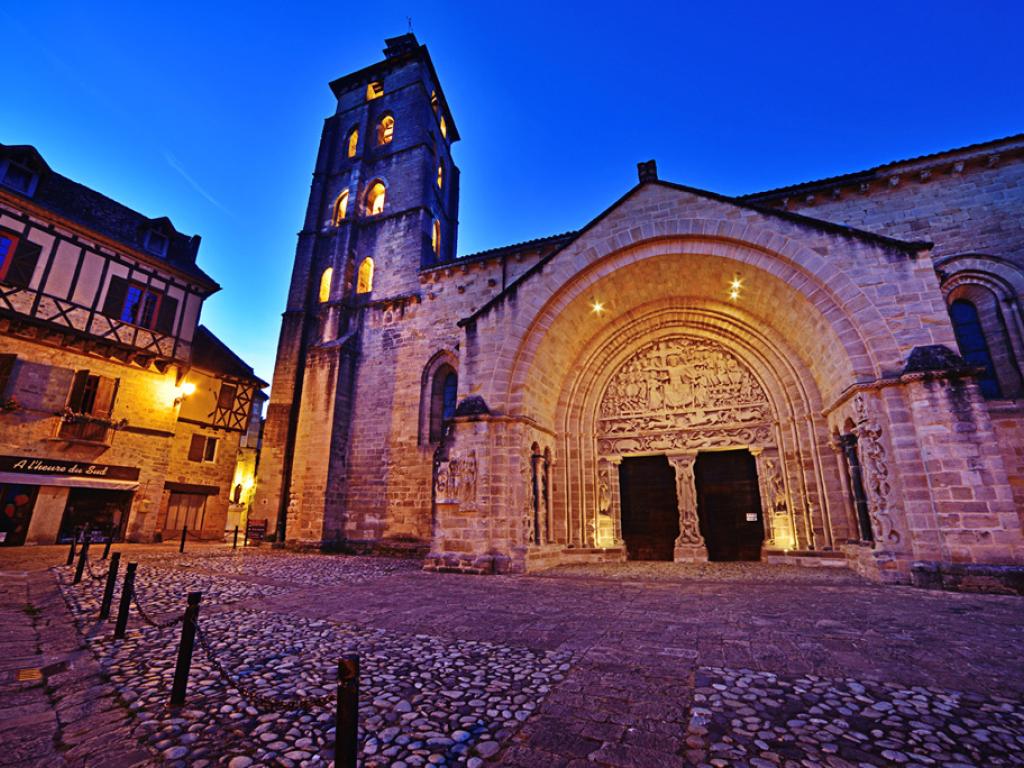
point(650, 513)
point(729, 505)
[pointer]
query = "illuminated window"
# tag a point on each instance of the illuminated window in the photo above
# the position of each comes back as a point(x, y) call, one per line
point(374, 90)
point(364, 282)
point(433, 101)
point(385, 130)
point(444, 127)
point(435, 237)
point(353, 142)
point(340, 207)
point(375, 199)
point(440, 175)
point(325, 284)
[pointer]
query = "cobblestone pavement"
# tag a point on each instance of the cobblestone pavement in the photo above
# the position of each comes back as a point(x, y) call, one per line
point(643, 664)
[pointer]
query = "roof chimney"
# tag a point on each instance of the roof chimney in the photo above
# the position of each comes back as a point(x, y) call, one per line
point(647, 171)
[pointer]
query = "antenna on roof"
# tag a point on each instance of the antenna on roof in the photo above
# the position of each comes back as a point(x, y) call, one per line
point(409, 19)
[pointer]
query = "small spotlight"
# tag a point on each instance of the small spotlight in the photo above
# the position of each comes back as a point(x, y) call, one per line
point(736, 284)
point(188, 388)
point(734, 294)
point(597, 307)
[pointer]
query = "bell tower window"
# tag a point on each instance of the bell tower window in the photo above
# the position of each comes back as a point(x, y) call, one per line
point(385, 130)
point(364, 280)
point(375, 199)
point(325, 285)
point(340, 208)
point(434, 101)
point(435, 237)
point(353, 142)
point(444, 127)
point(440, 175)
point(374, 90)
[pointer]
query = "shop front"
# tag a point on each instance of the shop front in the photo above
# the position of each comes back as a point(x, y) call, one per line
point(46, 501)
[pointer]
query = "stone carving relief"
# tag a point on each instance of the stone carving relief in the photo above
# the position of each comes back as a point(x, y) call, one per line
point(682, 393)
point(455, 482)
point(686, 496)
point(526, 484)
point(875, 468)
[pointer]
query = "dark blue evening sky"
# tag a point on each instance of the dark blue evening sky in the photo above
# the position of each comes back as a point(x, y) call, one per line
point(210, 113)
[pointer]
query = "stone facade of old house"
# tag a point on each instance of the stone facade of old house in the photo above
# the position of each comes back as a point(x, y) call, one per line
point(687, 376)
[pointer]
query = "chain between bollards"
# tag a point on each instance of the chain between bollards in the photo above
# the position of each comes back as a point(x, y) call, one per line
point(126, 601)
point(108, 591)
point(82, 556)
point(188, 639)
point(346, 715)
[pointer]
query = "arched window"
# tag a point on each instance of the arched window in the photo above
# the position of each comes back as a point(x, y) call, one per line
point(375, 199)
point(385, 130)
point(374, 90)
point(353, 142)
point(435, 236)
point(440, 175)
point(364, 281)
point(340, 208)
point(443, 392)
point(325, 284)
point(236, 497)
point(973, 346)
point(444, 127)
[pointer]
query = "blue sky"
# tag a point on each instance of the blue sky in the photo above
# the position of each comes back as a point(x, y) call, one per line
point(210, 113)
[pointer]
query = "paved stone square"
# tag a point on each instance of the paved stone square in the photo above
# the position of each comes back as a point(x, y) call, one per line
point(639, 664)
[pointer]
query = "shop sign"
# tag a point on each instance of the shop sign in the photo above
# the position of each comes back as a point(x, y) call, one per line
point(32, 465)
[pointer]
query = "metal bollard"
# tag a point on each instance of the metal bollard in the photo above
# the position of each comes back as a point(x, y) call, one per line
point(184, 533)
point(346, 715)
point(71, 552)
point(110, 539)
point(126, 601)
point(188, 639)
point(234, 544)
point(245, 541)
point(108, 591)
point(83, 555)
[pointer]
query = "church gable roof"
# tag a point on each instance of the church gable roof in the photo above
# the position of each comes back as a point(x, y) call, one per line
point(807, 222)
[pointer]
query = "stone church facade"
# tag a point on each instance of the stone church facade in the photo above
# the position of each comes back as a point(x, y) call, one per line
point(828, 370)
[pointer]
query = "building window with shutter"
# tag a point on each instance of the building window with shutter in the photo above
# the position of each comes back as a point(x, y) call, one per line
point(140, 305)
point(202, 449)
point(89, 409)
point(18, 259)
point(226, 396)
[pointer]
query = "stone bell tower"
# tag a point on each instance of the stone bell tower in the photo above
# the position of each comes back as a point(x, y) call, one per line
point(383, 205)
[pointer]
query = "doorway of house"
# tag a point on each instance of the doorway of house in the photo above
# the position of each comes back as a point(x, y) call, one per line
point(650, 513)
point(729, 505)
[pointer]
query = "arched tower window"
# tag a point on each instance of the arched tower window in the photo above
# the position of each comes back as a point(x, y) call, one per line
point(325, 284)
point(435, 236)
point(385, 130)
point(340, 208)
point(444, 127)
point(440, 175)
point(353, 142)
point(973, 346)
point(375, 199)
point(364, 280)
point(433, 101)
point(374, 90)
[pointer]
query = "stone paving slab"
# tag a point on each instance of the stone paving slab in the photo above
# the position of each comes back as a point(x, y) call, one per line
point(645, 648)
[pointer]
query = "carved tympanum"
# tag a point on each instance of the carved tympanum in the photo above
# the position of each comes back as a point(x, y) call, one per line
point(682, 393)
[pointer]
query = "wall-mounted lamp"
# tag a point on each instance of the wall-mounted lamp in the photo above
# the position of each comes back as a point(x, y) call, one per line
point(188, 388)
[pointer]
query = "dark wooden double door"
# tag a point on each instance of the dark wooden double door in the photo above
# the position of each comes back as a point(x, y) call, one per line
point(728, 506)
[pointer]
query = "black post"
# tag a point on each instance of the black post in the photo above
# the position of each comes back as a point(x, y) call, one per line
point(110, 539)
point(71, 552)
point(188, 639)
point(108, 592)
point(234, 544)
point(184, 533)
point(346, 716)
point(245, 541)
point(83, 555)
point(126, 601)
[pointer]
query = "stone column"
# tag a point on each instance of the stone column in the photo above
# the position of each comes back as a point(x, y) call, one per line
point(690, 546)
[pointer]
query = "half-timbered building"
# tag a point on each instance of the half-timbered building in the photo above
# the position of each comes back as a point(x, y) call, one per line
point(117, 409)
